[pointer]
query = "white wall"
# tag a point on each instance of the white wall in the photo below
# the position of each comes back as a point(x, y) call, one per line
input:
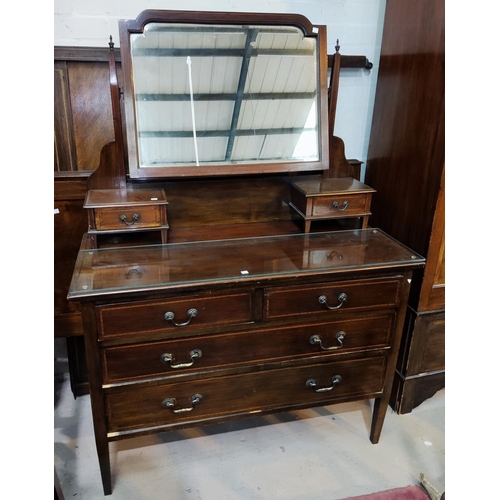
point(356, 23)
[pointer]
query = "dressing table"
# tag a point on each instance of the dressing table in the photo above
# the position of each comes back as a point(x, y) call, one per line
point(237, 312)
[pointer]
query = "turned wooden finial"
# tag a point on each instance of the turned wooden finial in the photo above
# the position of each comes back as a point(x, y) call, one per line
point(337, 47)
point(111, 43)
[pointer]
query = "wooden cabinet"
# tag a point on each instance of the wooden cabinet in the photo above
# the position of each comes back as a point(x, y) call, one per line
point(406, 167)
point(218, 345)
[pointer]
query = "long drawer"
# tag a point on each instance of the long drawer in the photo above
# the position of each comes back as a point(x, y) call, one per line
point(170, 404)
point(186, 313)
point(216, 351)
point(285, 302)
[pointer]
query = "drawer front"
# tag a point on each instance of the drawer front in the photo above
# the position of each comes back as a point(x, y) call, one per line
point(225, 350)
point(340, 205)
point(345, 295)
point(171, 404)
point(127, 217)
point(187, 314)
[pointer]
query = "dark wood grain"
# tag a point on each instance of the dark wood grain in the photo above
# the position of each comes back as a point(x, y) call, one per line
point(64, 143)
point(432, 296)
point(406, 150)
point(91, 111)
point(70, 223)
point(406, 159)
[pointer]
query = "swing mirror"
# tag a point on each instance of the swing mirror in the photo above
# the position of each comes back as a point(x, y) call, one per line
point(223, 93)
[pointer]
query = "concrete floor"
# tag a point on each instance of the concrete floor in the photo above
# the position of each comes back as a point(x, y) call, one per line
point(319, 454)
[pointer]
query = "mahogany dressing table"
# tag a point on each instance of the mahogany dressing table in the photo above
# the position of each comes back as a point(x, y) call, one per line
point(212, 325)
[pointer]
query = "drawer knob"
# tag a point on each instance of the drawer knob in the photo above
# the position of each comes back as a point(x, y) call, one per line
point(322, 299)
point(312, 383)
point(335, 205)
point(167, 357)
point(169, 316)
point(171, 402)
point(135, 218)
point(316, 340)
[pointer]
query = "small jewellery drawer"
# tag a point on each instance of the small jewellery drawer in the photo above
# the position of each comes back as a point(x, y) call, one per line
point(131, 407)
point(341, 206)
point(114, 218)
point(177, 315)
point(329, 297)
point(223, 350)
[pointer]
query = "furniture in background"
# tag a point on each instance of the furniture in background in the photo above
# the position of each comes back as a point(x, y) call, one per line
point(406, 167)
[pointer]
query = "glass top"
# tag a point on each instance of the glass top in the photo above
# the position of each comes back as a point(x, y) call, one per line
point(177, 265)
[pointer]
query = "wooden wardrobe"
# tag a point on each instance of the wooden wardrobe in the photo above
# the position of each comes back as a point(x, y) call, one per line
point(405, 166)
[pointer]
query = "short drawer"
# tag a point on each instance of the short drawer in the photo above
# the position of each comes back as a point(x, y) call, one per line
point(176, 315)
point(311, 385)
point(114, 218)
point(226, 350)
point(330, 297)
point(331, 206)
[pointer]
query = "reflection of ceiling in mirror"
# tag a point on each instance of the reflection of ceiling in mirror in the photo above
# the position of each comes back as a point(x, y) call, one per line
point(262, 110)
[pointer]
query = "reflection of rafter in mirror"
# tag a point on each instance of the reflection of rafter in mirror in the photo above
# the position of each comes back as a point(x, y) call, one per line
point(261, 111)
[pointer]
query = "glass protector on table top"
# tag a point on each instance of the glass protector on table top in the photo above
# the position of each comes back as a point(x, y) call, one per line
point(120, 269)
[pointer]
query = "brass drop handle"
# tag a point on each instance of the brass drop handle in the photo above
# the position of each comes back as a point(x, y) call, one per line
point(312, 383)
point(322, 299)
point(167, 357)
point(169, 316)
point(316, 339)
point(171, 402)
point(335, 205)
point(135, 218)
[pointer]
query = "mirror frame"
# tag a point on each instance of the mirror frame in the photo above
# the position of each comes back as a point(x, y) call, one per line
point(129, 27)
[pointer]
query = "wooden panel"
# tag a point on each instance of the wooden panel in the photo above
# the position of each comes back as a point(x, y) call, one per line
point(427, 352)
point(70, 223)
point(142, 407)
point(91, 108)
point(410, 393)
point(64, 146)
point(70, 186)
point(406, 150)
point(433, 285)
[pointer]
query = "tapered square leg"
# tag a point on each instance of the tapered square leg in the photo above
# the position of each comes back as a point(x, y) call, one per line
point(379, 411)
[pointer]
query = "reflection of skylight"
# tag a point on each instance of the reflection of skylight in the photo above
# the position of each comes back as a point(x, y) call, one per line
point(307, 145)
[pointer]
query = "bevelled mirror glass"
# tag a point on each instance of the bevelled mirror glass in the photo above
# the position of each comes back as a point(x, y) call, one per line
point(223, 98)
